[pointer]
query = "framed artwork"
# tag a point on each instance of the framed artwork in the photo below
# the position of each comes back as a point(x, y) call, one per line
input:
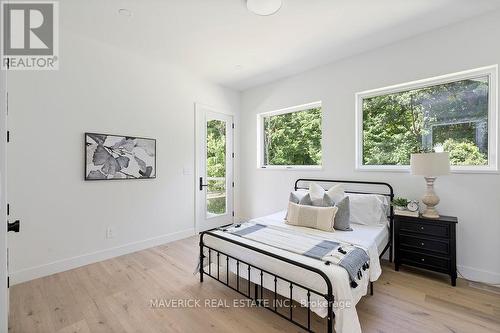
point(111, 157)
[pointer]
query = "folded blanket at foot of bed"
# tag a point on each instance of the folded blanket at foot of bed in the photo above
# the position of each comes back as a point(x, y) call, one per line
point(352, 258)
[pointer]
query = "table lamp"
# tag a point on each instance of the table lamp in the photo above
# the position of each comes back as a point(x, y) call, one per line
point(430, 165)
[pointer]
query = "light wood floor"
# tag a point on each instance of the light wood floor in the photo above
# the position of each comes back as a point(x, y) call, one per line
point(114, 296)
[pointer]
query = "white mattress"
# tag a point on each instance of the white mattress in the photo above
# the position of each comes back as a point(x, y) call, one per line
point(372, 238)
point(367, 234)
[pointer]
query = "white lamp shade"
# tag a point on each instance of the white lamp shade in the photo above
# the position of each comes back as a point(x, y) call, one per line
point(430, 164)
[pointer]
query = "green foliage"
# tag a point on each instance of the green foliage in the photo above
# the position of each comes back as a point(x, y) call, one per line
point(396, 125)
point(216, 148)
point(464, 153)
point(401, 202)
point(458, 132)
point(216, 205)
point(293, 138)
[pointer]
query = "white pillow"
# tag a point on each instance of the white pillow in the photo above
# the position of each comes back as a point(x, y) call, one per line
point(368, 209)
point(336, 192)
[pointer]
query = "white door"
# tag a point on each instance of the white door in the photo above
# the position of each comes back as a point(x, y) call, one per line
point(214, 168)
point(4, 303)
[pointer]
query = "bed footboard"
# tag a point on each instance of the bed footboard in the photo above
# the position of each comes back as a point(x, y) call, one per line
point(259, 287)
point(378, 188)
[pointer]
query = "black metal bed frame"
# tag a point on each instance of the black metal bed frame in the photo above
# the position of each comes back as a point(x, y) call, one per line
point(258, 288)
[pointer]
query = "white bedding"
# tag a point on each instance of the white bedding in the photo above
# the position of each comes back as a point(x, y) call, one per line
point(371, 238)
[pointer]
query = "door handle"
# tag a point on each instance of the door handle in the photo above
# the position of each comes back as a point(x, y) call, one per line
point(14, 226)
point(201, 184)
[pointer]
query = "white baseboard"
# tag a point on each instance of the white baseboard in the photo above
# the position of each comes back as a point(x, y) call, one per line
point(85, 259)
point(478, 275)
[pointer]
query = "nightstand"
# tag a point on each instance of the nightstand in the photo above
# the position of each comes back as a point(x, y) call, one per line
point(426, 243)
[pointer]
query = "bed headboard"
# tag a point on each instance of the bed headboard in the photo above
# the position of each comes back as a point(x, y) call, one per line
point(360, 187)
point(350, 186)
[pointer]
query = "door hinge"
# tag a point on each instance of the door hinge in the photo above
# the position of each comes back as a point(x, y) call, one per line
point(232, 126)
point(233, 212)
point(233, 186)
point(8, 281)
point(8, 136)
point(8, 208)
point(233, 155)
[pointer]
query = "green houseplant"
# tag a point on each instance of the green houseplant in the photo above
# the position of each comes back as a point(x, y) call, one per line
point(400, 203)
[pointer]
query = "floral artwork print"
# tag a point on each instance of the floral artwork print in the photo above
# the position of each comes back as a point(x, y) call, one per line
point(119, 157)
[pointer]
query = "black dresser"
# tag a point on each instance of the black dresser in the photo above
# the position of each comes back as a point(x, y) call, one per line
point(426, 243)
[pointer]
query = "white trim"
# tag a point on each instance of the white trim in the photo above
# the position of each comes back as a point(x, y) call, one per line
point(493, 147)
point(480, 275)
point(260, 135)
point(90, 258)
point(291, 109)
point(4, 292)
point(293, 167)
point(201, 218)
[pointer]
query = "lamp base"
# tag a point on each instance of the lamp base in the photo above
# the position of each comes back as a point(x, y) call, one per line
point(430, 213)
point(430, 199)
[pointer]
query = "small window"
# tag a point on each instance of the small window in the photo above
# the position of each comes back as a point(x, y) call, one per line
point(290, 138)
point(455, 113)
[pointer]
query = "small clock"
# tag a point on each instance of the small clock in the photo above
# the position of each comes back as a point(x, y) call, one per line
point(412, 206)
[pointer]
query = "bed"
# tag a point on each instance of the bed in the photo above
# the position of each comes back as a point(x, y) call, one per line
point(258, 270)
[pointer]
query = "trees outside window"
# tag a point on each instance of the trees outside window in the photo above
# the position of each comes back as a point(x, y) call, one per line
point(452, 116)
point(292, 138)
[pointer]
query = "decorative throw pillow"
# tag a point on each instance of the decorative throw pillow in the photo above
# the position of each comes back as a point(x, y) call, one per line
point(336, 192)
point(343, 216)
point(317, 192)
point(321, 218)
point(296, 196)
point(306, 200)
point(325, 201)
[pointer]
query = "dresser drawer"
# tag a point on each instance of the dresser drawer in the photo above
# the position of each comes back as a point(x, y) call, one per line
point(425, 261)
point(437, 230)
point(435, 245)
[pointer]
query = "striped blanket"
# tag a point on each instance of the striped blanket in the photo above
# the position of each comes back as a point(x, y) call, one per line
point(352, 258)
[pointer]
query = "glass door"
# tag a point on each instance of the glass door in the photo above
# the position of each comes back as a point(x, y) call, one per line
point(214, 168)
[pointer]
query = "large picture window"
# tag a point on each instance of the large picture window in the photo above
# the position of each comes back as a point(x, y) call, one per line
point(454, 113)
point(290, 137)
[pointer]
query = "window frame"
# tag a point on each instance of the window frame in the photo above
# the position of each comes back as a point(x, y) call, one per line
point(490, 71)
point(260, 137)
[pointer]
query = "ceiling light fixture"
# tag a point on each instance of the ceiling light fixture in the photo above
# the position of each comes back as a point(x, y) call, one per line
point(264, 7)
point(125, 12)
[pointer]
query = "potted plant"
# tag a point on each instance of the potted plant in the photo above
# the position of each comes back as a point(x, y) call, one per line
point(400, 203)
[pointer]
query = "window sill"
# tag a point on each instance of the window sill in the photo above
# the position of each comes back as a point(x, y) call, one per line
point(406, 169)
point(291, 167)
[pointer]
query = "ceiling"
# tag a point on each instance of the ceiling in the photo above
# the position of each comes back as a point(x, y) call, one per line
point(223, 42)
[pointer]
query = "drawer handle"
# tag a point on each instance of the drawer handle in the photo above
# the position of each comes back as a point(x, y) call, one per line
point(422, 244)
point(422, 259)
point(421, 228)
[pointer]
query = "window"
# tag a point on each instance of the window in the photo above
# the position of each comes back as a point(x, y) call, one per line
point(455, 113)
point(290, 138)
point(216, 167)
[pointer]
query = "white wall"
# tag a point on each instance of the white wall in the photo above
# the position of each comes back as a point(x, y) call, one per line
point(101, 89)
point(474, 198)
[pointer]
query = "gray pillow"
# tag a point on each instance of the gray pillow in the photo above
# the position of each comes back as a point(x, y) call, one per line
point(325, 202)
point(296, 196)
point(343, 215)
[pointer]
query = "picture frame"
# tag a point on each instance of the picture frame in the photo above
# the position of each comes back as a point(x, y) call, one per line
point(118, 157)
